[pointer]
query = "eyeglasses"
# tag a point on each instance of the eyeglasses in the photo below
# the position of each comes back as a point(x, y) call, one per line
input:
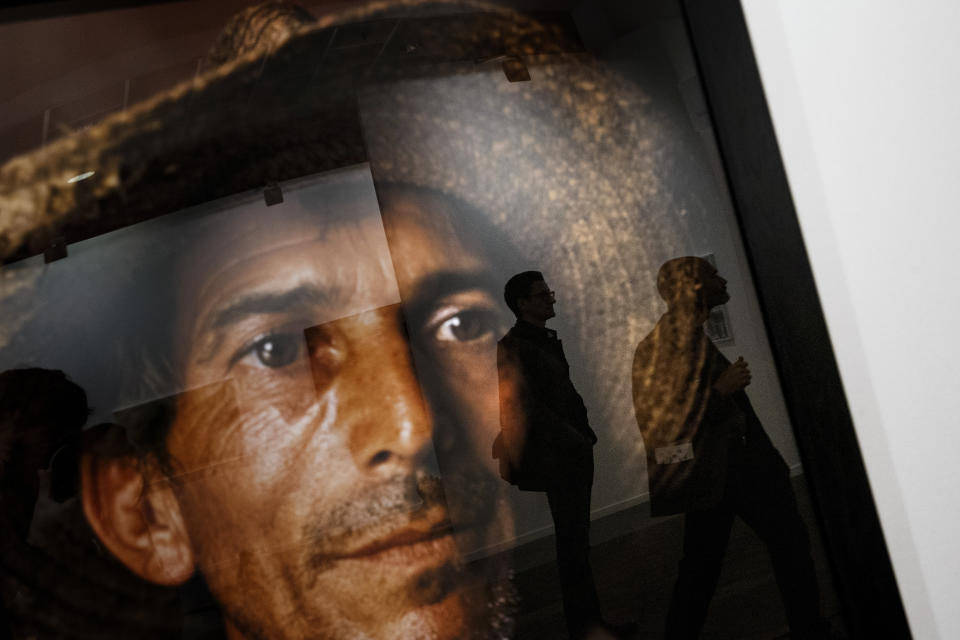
point(543, 295)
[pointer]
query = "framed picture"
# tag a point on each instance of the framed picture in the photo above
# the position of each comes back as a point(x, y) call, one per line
point(380, 311)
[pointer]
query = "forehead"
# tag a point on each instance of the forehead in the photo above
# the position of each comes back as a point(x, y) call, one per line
point(337, 245)
point(365, 255)
point(427, 233)
point(693, 268)
point(538, 286)
point(329, 209)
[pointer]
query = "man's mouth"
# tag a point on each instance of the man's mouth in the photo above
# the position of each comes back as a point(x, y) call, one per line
point(408, 545)
point(399, 523)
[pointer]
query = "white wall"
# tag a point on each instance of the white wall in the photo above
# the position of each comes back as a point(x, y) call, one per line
point(865, 98)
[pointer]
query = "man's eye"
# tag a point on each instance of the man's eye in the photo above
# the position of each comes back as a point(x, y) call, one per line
point(466, 326)
point(273, 350)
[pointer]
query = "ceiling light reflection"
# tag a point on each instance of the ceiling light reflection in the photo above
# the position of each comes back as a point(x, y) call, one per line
point(80, 176)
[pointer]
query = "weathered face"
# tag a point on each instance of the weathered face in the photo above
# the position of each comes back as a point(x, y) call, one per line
point(329, 482)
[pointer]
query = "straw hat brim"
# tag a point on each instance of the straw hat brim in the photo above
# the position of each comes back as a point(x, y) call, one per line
point(266, 117)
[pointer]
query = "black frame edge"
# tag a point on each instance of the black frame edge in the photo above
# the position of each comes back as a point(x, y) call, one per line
point(794, 320)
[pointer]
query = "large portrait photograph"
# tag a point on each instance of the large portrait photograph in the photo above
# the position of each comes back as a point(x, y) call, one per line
point(389, 320)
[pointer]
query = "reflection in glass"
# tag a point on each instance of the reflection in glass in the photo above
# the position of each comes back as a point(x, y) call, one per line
point(709, 457)
point(303, 390)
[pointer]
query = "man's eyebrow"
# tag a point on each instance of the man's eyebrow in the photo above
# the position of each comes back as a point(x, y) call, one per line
point(443, 283)
point(306, 295)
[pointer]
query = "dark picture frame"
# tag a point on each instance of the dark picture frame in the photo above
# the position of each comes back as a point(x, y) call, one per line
point(794, 320)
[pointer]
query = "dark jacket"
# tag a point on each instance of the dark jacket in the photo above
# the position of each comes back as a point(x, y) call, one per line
point(687, 429)
point(545, 441)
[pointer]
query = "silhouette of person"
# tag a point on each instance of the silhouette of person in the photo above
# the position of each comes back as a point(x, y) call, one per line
point(47, 552)
point(39, 410)
point(546, 443)
point(709, 457)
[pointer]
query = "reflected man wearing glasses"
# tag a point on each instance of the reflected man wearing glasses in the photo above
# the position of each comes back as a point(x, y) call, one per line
point(546, 443)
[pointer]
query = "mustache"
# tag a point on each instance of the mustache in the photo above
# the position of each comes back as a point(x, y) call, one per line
point(403, 498)
point(398, 496)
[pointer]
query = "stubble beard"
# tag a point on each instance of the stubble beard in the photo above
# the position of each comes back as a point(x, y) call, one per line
point(485, 587)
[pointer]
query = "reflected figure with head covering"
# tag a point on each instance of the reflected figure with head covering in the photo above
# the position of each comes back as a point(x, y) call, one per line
point(709, 457)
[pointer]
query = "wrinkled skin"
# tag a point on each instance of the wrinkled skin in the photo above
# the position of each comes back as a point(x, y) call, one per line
point(330, 486)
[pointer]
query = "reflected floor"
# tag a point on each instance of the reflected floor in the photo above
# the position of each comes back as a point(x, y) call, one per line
point(635, 560)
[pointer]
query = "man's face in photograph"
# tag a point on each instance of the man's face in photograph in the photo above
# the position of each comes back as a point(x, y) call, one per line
point(333, 486)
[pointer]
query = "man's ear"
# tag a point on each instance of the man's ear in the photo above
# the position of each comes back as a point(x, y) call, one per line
point(139, 521)
point(522, 303)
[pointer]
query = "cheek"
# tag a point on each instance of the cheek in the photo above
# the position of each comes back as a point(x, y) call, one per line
point(251, 505)
point(469, 380)
point(285, 396)
point(240, 460)
point(255, 417)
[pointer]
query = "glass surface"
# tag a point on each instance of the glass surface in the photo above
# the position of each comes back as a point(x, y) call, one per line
point(314, 409)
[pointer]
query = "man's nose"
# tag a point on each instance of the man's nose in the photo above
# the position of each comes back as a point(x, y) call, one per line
point(391, 426)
